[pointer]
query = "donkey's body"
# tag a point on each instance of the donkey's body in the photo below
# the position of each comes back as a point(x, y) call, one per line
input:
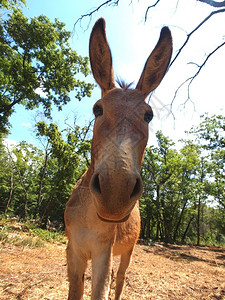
point(102, 215)
point(90, 239)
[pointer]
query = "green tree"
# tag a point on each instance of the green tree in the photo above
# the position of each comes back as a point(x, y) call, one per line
point(37, 64)
point(217, 187)
point(6, 176)
point(160, 177)
point(37, 184)
point(211, 132)
point(65, 161)
point(23, 161)
point(211, 136)
point(175, 192)
point(9, 4)
point(186, 189)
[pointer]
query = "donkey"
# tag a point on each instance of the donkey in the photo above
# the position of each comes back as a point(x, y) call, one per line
point(102, 215)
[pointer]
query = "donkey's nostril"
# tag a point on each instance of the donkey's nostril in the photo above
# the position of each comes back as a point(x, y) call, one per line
point(96, 184)
point(137, 190)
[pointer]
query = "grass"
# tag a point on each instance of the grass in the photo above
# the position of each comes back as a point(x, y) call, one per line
point(49, 236)
point(27, 234)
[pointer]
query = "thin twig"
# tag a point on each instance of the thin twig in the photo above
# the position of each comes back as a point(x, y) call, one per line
point(176, 92)
point(191, 79)
point(108, 2)
point(151, 6)
point(207, 58)
point(193, 31)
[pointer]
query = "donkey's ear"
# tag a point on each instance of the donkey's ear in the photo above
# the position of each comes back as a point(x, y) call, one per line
point(100, 57)
point(157, 63)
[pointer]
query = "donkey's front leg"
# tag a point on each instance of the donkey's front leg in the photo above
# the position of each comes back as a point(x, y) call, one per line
point(101, 268)
point(76, 265)
point(124, 263)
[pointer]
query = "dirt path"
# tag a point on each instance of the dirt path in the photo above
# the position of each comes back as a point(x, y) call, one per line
point(156, 272)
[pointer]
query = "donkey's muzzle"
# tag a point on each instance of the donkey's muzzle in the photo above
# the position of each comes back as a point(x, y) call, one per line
point(115, 196)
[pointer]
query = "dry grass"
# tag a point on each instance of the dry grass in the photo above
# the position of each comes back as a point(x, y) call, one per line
point(156, 272)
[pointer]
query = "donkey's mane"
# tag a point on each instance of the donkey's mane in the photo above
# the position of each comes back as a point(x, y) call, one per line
point(124, 85)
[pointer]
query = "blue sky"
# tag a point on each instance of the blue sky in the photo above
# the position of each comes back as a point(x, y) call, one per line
point(131, 41)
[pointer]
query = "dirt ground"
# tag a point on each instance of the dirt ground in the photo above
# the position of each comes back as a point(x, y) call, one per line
point(156, 272)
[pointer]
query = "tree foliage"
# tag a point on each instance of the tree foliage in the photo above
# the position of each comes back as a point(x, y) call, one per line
point(211, 133)
point(43, 180)
point(182, 188)
point(37, 64)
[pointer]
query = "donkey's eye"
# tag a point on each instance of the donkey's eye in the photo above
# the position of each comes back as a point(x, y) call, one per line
point(148, 116)
point(98, 111)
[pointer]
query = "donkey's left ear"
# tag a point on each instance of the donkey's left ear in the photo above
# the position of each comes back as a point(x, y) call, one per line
point(157, 63)
point(101, 58)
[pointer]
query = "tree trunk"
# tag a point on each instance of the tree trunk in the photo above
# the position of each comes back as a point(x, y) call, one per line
point(25, 194)
point(47, 209)
point(179, 221)
point(23, 186)
point(40, 186)
point(157, 230)
point(186, 230)
point(198, 221)
point(148, 231)
point(158, 220)
point(143, 226)
point(11, 188)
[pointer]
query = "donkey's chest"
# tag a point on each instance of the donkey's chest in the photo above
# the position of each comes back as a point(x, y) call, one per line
point(87, 232)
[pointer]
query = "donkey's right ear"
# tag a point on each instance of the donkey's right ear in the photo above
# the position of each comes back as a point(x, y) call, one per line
point(157, 63)
point(101, 58)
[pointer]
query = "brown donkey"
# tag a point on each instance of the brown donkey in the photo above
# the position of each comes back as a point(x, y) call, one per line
point(102, 215)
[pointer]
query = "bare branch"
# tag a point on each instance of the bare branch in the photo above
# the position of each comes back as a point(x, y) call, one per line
point(88, 128)
point(191, 79)
point(205, 61)
point(6, 109)
point(194, 30)
point(146, 13)
point(153, 5)
point(213, 3)
point(175, 95)
point(106, 3)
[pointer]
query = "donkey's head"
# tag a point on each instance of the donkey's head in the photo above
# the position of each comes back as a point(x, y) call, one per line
point(121, 126)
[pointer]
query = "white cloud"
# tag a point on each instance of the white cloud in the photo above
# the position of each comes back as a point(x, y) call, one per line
point(9, 143)
point(26, 124)
point(40, 92)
